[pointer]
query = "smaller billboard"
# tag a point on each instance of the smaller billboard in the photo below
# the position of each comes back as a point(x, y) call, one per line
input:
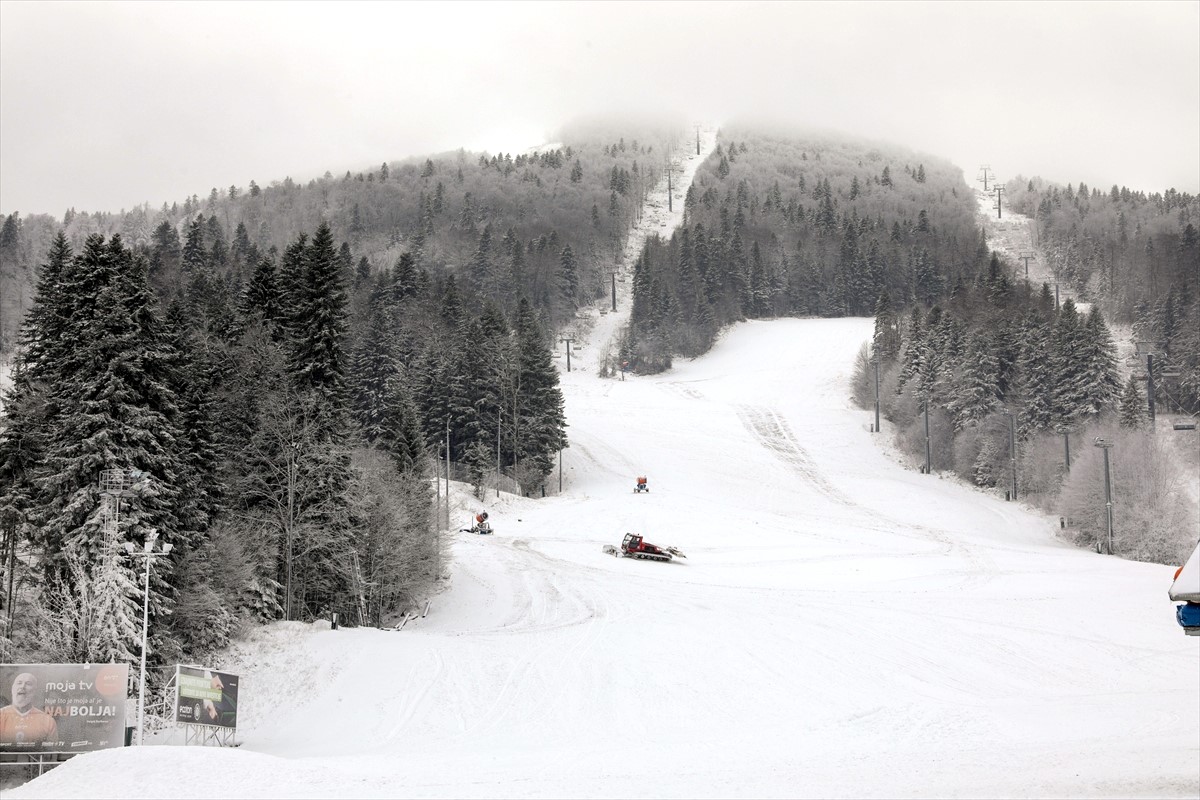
point(205, 696)
point(62, 708)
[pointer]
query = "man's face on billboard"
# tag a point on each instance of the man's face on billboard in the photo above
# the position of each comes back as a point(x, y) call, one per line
point(23, 690)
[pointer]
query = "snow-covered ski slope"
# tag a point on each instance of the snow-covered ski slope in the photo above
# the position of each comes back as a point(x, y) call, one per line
point(843, 626)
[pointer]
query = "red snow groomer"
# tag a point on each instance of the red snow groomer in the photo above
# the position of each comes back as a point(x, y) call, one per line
point(641, 485)
point(634, 546)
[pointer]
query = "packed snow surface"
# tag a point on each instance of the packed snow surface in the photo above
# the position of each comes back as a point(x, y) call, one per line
point(842, 626)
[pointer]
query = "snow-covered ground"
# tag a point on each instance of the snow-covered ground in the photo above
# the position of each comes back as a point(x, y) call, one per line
point(842, 627)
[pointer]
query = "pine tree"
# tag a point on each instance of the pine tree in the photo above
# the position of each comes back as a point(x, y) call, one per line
point(1099, 364)
point(539, 402)
point(976, 390)
point(885, 343)
point(909, 364)
point(261, 297)
point(319, 322)
point(481, 270)
point(1034, 377)
point(372, 369)
point(195, 256)
point(1071, 394)
point(1132, 406)
point(568, 277)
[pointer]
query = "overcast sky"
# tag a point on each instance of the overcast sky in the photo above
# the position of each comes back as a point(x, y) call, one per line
point(104, 105)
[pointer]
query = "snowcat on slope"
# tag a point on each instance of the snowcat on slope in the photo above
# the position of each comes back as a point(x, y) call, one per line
point(634, 546)
point(641, 485)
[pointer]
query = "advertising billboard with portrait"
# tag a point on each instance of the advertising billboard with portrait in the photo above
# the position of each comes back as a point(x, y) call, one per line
point(205, 696)
point(62, 708)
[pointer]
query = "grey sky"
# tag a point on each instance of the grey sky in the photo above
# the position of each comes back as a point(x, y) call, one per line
point(107, 105)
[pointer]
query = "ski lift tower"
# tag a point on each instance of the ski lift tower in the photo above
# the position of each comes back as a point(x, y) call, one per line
point(1149, 350)
point(1106, 445)
point(115, 484)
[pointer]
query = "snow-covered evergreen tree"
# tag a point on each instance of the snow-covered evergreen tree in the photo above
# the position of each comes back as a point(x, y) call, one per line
point(1132, 406)
point(1099, 364)
point(975, 385)
point(1072, 387)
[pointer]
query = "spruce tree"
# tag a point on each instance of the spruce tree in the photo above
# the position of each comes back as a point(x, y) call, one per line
point(568, 278)
point(1099, 364)
point(319, 323)
point(1034, 378)
point(539, 407)
point(1132, 406)
point(1069, 344)
point(976, 392)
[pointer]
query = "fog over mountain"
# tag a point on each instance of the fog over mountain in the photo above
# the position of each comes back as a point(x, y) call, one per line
point(106, 105)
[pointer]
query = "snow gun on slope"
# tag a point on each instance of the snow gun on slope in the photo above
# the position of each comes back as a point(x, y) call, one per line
point(481, 525)
point(634, 546)
point(641, 485)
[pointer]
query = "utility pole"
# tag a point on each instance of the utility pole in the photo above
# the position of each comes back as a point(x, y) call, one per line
point(1106, 445)
point(998, 189)
point(670, 189)
point(983, 170)
point(928, 453)
point(568, 341)
point(560, 470)
point(499, 411)
point(697, 140)
point(613, 275)
point(1012, 449)
point(875, 361)
point(447, 472)
point(149, 553)
point(1056, 296)
point(1067, 448)
point(1148, 349)
point(1025, 257)
point(1150, 387)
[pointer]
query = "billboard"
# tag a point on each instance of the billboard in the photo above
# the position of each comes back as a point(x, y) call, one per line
point(62, 708)
point(205, 696)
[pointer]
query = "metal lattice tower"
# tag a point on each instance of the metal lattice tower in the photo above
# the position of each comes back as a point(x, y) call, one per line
point(112, 486)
